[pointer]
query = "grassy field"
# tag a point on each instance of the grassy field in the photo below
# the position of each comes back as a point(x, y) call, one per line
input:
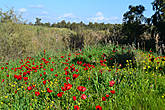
point(22, 40)
point(94, 78)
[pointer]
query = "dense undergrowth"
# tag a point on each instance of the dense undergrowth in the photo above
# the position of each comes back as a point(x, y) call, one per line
point(93, 78)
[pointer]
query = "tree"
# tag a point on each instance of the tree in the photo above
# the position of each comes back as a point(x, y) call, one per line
point(38, 21)
point(133, 21)
point(47, 24)
point(158, 19)
point(10, 16)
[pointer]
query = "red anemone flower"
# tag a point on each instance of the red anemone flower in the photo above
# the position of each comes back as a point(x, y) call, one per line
point(25, 78)
point(112, 91)
point(76, 107)
point(29, 88)
point(98, 107)
point(83, 96)
point(103, 99)
point(63, 88)
point(51, 69)
point(107, 95)
point(49, 91)
point(75, 76)
point(67, 86)
point(111, 83)
point(37, 93)
point(60, 94)
point(56, 75)
point(66, 72)
point(3, 80)
point(74, 98)
point(67, 78)
point(2, 68)
point(44, 82)
point(19, 77)
point(81, 88)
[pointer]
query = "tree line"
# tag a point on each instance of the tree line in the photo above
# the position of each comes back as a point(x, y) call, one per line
point(134, 28)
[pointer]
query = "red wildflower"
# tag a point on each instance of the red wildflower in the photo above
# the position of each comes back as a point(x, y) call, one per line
point(98, 107)
point(3, 80)
point(51, 69)
point(107, 95)
point(24, 73)
point(60, 94)
point(7, 75)
point(80, 62)
point(15, 76)
point(101, 61)
point(112, 91)
point(49, 91)
point(83, 96)
point(62, 56)
point(44, 73)
point(44, 82)
point(25, 78)
point(65, 68)
point(37, 93)
point(81, 88)
point(29, 88)
point(63, 88)
point(74, 98)
point(56, 75)
point(111, 83)
point(75, 76)
point(67, 78)
point(19, 77)
point(67, 86)
point(2, 68)
point(76, 107)
point(103, 99)
point(66, 72)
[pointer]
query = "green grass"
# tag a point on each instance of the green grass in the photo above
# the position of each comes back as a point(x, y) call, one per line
point(139, 85)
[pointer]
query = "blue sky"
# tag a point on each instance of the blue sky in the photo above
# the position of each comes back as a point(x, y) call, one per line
point(107, 11)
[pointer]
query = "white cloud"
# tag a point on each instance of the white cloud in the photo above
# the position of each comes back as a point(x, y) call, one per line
point(67, 15)
point(114, 18)
point(99, 14)
point(22, 10)
point(44, 12)
point(100, 17)
point(36, 6)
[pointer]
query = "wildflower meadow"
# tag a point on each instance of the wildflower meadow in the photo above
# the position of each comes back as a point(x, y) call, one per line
point(93, 78)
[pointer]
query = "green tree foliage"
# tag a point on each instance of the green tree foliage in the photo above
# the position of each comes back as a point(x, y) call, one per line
point(158, 19)
point(133, 23)
point(10, 16)
point(38, 21)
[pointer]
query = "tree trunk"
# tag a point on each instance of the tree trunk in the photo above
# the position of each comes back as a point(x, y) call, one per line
point(156, 42)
